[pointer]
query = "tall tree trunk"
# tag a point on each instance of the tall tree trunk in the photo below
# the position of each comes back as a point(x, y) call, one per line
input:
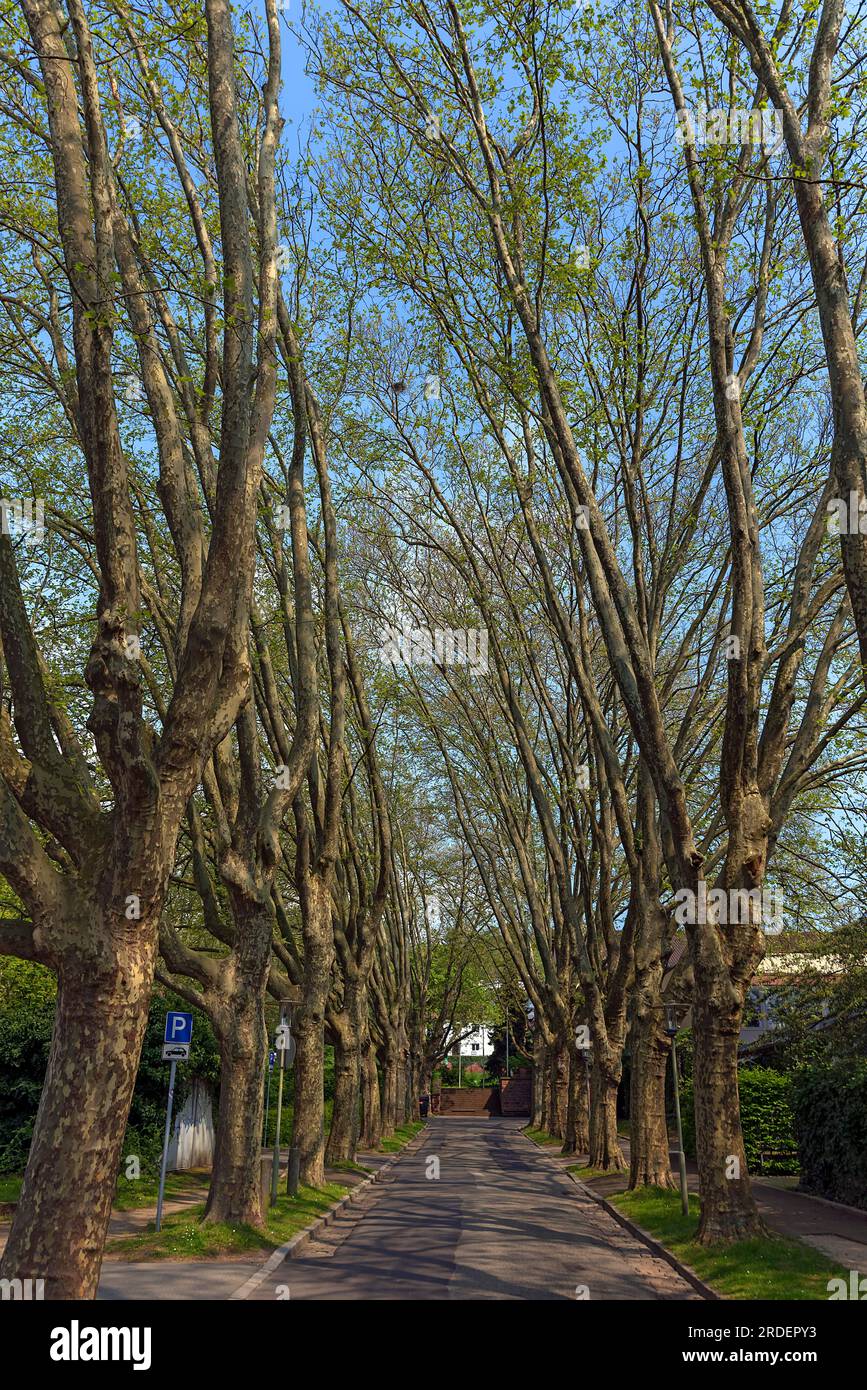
point(540, 1072)
point(577, 1133)
point(410, 1087)
point(69, 1182)
point(389, 1087)
point(308, 1132)
point(650, 1048)
point(308, 1128)
point(649, 1161)
point(235, 1191)
point(605, 1151)
point(728, 1208)
point(371, 1134)
point(558, 1085)
point(407, 1077)
point(234, 1194)
point(345, 1115)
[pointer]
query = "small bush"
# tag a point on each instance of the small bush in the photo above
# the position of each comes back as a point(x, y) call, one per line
point(830, 1110)
point(766, 1119)
point(471, 1074)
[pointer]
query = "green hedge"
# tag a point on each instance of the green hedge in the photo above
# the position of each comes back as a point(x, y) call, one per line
point(766, 1118)
point(830, 1105)
point(27, 994)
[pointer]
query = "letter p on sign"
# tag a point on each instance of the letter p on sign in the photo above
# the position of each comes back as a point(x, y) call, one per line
point(179, 1028)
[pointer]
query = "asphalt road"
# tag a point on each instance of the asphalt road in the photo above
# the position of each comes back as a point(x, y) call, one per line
point(499, 1222)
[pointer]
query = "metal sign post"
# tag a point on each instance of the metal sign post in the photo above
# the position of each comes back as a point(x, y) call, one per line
point(671, 1027)
point(177, 1038)
point(172, 1070)
point(268, 1071)
point(285, 1051)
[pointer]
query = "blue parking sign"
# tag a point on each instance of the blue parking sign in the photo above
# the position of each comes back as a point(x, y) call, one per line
point(179, 1028)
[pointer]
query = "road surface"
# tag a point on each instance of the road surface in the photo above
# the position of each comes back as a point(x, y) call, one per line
point(499, 1222)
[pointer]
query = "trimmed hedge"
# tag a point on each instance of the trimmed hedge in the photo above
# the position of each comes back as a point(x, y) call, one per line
point(766, 1118)
point(830, 1105)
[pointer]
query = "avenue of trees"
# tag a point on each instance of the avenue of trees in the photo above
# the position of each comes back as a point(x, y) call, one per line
point(543, 335)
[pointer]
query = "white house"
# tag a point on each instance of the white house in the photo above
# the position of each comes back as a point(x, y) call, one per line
point(477, 1044)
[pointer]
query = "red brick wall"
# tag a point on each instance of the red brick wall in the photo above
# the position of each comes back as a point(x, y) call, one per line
point(470, 1100)
point(516, 1095)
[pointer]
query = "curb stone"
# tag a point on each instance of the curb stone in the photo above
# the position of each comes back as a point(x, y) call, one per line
point(655, 1247)
point(291, 1248)
point(661, 1251)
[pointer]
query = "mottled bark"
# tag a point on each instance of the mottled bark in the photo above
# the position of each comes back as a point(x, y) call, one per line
point(728, 1207)
point(390, 1088)
point(65, 1204)
point(577, 1132)
point(605, 1150)
point(371, 1132)
point(558, 1087)
point(649, 1161)
point(234, 1194)
point(346, 1111)
point(309, 1118)
point(540, 1107)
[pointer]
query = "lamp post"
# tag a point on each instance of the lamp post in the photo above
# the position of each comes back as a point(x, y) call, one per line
point(671, 1030)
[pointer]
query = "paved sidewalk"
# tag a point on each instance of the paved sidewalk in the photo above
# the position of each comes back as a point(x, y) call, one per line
point(174, 1279)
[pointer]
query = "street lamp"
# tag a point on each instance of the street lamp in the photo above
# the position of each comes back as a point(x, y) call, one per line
point(671, 1030)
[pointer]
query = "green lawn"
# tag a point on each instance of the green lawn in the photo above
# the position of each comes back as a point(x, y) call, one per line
point(183, 1236)
point(772, 1269)
point(142, 1192)
point(541, 1136)
point(129, 1194)
point(10, 1186)
point(401, 1137)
